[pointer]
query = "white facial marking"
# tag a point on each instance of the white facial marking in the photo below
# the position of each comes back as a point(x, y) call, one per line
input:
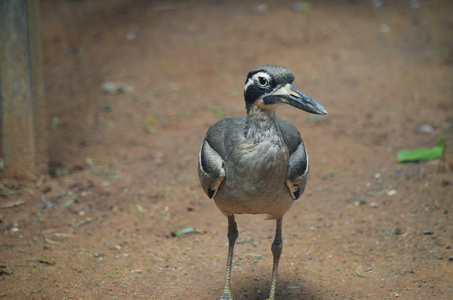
point(255, 78)
point(261, 74)
point(248, 83)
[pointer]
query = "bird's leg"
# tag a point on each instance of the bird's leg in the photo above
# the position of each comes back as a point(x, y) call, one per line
point(277, 247)
point(232, 236)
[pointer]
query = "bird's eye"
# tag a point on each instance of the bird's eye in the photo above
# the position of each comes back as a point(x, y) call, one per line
point(262, 82)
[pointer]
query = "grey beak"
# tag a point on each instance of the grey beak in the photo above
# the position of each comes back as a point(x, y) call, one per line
point(300, 100)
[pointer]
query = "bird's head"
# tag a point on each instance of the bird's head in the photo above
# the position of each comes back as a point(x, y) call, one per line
point(268, 86)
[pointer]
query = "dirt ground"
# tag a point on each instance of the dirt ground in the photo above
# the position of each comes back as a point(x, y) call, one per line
point(124, 164)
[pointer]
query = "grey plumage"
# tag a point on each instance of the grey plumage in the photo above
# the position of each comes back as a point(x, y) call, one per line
point(257, 164)
point(270, 170)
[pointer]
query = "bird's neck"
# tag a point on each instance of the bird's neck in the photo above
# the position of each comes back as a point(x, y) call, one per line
point(260, 125)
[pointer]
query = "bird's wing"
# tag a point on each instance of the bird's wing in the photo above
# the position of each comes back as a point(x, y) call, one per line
point(214, 151)
point(210, 169)
point(298, 167)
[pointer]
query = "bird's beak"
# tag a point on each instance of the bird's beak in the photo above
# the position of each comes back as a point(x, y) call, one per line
point(289, 95)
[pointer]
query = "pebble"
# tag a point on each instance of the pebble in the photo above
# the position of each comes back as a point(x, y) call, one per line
point(114, 88)
point(106, 107)
point(384, 28)
point(261, 9)
point(424, 128)
point(301, 6)
point(130, 35)
point(391, 193)
point(150, 129)
point(414, 4)
point(378, 3)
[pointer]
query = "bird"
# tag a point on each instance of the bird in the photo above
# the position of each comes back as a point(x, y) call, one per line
point(257, 164)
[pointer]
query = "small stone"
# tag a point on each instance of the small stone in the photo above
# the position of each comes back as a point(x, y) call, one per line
point(150, 129)
point(127, 89)
point(374, 205)
point(173, 86)
point(106, 107)
point(391, 193)
point(130, 35)
point(113, 88)
point(261, 9)
point(424, 128)
point(384, 28)
point(414, 4)
point(109, 88)
point(301, 6)
point(378, 3)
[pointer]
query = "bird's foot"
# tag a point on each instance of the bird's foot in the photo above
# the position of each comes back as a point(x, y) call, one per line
point(226, 296)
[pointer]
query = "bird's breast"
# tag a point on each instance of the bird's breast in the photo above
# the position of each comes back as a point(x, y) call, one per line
point(262, 159)
point(255, 179)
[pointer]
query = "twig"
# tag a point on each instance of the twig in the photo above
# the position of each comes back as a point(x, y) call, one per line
point(49, 204)
point(13, 203)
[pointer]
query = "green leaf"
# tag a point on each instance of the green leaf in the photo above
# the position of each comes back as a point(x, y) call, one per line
point(140, 208)
point(217, 112)
point(185, 231)
point(150, 121)
point(421, 153)
point(254, 255)
point(69, 202)
point(358, 273)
